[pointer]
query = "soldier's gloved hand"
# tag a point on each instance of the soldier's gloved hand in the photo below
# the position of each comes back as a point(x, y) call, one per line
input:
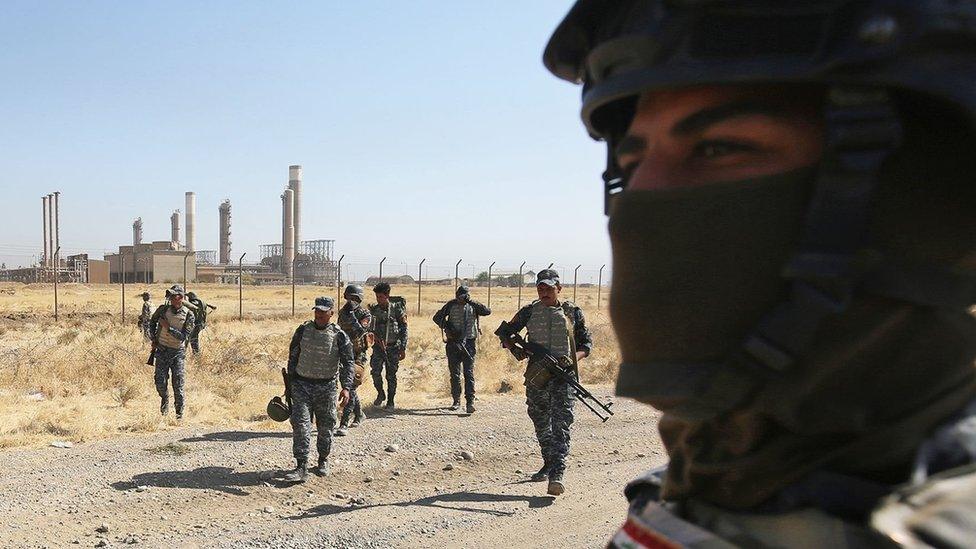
point(343, 398)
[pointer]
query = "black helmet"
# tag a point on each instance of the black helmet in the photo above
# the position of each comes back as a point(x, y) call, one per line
point(278, 410)
point(353, 292)
point(620, 49)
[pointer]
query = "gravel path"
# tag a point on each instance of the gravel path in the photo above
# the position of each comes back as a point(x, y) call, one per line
point(400, 480)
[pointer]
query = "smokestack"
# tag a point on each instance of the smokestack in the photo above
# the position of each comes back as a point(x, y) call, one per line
point(288, 231)
point(295, 184)
point(50, 230)
point(44, 216)
point(137, 231)
point(57, 230)
point(224, 232)
point(174, 227)
point(191, 222)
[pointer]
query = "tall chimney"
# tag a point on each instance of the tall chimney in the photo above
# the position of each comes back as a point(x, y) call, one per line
point(295, 184)
point(224, 232)
point(288, 231)
point(137, 231)
point(191, 222)
point(44, 214)
point(50, 230)
point(174, 227)
point(57, 231)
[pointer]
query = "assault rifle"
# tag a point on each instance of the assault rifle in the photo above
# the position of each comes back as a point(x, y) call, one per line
point(450, 337)
point(152, 356)
point(521, 348)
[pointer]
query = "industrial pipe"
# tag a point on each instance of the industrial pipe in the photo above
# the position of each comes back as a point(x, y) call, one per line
point(56, 283)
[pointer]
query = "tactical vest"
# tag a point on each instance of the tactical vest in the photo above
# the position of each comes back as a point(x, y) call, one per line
point(385, 324)
point(319, 352)
point(550, 327)
point(463, 320)
point(350, 324)
point(176, 320)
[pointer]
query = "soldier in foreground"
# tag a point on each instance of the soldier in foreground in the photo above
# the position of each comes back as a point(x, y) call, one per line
point(791, 201)
point(171, 326)
point(459, 320)
point(145, 315)
point(200, 309)
point(320, 359)
point(558, 326)
point(354, 319)
point(389, 346)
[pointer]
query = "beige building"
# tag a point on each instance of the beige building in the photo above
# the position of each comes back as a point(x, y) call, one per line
point(161, 261)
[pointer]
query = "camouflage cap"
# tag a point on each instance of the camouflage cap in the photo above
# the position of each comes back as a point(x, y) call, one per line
point(324, 303)
point(548, 277)
point(175, 289)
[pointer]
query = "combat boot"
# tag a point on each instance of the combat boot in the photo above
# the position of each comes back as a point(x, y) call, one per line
point(358, 418)
point(541, 474)
point(341, 431)
point(470, 406)
point(164, 406)
point(456, 405)
point(389, 403)
point(380, 397)
point(556, 486)
point(300, 473)
point(322, 469)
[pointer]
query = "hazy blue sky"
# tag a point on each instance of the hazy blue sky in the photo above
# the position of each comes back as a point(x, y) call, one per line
point(426, 129)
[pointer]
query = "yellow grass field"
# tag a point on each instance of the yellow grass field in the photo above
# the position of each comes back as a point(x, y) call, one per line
point(84, 377)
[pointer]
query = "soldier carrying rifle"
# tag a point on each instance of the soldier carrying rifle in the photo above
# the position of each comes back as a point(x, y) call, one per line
point(459, 320)
point(171, 326)
point(558, 326)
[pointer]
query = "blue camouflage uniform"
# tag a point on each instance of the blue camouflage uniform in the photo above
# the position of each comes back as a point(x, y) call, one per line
point(351, 321)
point(318, 360)
point(459, 319)
point(550, 406)
point(389, 326)
point(171, 352)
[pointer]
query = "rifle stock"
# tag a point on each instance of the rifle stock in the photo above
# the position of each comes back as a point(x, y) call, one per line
point(151, 361)
point(519, 346)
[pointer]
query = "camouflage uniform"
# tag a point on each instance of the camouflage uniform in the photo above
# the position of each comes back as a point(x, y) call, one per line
point(327, 357)
point(199, 308)
point(459, 318)
point(391, 328)
point(350, 320)
point(551, 406)
point(171, 352)
point(144, 317)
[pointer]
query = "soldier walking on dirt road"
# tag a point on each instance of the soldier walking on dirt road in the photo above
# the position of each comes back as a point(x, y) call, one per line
point(171, 326)
point(459, 320)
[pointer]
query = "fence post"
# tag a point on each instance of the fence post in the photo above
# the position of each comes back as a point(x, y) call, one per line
point(122, 276)
point(550, 265)
point(457, 279)
point(489, 282)
point(521, 281)
point(339, 278)
point(382, 261)
point(185, 257)
point(420, 279)
point(294, 263)
point(575, 273)
point(240, 287)
point(56, 251)
point(599, 287)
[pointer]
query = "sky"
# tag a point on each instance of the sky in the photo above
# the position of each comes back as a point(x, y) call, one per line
point(426, 129)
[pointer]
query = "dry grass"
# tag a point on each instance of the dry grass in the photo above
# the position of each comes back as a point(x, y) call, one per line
point(85, 377)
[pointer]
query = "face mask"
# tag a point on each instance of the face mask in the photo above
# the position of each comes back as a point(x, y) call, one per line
point(695, 269)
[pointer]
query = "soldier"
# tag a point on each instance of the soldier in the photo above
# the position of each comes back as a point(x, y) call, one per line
point(319, 357)
point(199, 308)
point(459, 320)
point(560, 327)
point(354, 319)
point(389, 345)
point(145, 315)
point(791, 201)
point(171, 326)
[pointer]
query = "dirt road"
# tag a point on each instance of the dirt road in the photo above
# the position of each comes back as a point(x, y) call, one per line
point(397, 481)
